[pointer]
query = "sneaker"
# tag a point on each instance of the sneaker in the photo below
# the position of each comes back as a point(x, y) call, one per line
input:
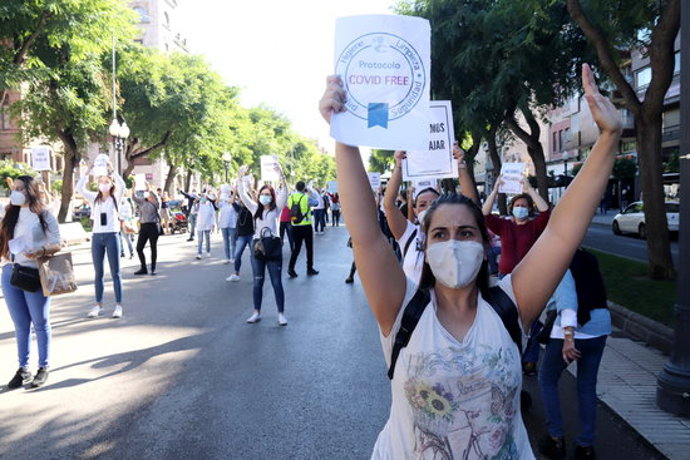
point(255, 318)
point(41, 377)
point(153, 272)
point(232, 260)
point(95, 312)
point(584, 452)
point(208, 254)
point(190, 239)
point(233, 277)
point(117, 313)
point(349, 280)
point(227, 261)
point(198, 257)
point(312, 272)
point(131, 256)
point(141, 271)
point(292, 274)
point(122, 255)
point(21, 378)
point(282, 320)
point(551, 447)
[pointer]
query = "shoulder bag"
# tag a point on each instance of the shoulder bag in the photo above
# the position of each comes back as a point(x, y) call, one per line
point(268, 246)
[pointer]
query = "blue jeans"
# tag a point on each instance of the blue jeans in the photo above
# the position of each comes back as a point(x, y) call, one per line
point(129, 239)
point(100, 244)
point(552, 366)
point(26, 308)
point(242, 242)
point(192, 225)
point(204, 234)
point(229, 241)
point(259, 267)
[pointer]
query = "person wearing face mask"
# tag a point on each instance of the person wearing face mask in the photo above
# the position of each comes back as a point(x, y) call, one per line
point(150, 228)
point(105, 214)
point(518, 233)
point(266, 214)
point(407, 234)
point(227, 222)
point(27, 232)
point(245, 233)
point(455, 386)
point(205, 221)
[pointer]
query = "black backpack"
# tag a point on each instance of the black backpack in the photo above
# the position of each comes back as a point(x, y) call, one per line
point(296, 215)
point(495, 296)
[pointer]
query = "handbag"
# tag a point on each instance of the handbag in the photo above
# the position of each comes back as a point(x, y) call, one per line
point(268, 247)
point(25, 278)
point(57, 274)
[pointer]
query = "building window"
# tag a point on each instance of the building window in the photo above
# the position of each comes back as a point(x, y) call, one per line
point(676, 64)
point(143, 14)
point(554, 142)
point(643, 77)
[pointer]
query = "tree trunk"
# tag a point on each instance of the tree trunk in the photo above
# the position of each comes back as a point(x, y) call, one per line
point(651, 180)
point(71, 159)
point(470, 155)
point(534, 147)
point(496, 161)
point(188, 180)
point(536, 153)
point(172, 172)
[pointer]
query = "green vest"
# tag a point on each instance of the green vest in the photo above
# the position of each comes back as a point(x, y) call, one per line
point(303, 200)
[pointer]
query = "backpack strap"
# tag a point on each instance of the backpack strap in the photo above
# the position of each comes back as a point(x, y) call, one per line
point(413, 311)
point(409, 242)
point(506, 309)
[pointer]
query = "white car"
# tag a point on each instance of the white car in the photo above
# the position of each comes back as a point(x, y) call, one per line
point(631, 220)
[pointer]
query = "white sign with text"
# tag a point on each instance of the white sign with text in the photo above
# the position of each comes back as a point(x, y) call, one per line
point(384, 62)
point(268, 168)
point(40, 158)
point(436, 160)
point(513, 174)
point(421, 184)
point(375, 180)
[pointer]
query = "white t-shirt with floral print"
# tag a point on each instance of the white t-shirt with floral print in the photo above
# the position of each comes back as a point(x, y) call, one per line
point(455, 399)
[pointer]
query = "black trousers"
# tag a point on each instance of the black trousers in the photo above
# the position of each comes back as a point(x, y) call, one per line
point(148, 232)
point(302, 233)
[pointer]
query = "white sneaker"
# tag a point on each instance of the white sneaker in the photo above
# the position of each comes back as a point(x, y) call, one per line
point(198, 257)
point(232, 260)
point(117, 313)
point(208, 254)
point(282, 320)
point(255, 318)
point(95, 312)
point(232, 277)
point(227, 261)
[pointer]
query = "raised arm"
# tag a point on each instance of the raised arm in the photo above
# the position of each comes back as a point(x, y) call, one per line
point(81, 187)
point(242, 190)
point(533, 280)
point(489, 203)
point(120, 187)
point(282, 192)
point(539, 202)
point(397, 222)
point(466, 182)
point(381, 275)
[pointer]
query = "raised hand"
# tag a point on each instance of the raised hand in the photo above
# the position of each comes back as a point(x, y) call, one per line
point(604, 113)
point(399, 156)
point(333, 99)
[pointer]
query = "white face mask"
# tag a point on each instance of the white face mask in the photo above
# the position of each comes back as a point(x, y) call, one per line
point(17, 198)
point(455, 264)
point(520, 213)
point(104, 188)
point(265, 199)
point(420, 216)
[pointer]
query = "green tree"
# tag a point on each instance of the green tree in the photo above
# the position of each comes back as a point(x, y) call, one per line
point(13, 170)
point(381, 160)
point(614, 27)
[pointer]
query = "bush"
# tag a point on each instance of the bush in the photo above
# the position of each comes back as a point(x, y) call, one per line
point(9, 168)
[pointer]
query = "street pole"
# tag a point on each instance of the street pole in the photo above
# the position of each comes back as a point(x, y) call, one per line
point(673, 383)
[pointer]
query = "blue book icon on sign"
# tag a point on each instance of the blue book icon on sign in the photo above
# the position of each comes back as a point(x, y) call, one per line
point(378, 114)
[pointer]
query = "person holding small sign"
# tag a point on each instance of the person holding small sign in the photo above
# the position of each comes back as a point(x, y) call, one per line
point(455, 386)
point(105, 214)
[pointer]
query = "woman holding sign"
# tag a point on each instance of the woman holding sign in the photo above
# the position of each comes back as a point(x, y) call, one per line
point(105, 214)
point(456, 387)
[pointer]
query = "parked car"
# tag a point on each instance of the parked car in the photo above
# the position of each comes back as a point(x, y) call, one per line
point(83, 210)
point(631, 220)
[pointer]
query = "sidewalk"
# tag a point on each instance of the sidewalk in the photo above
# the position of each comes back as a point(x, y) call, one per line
point(627, 385)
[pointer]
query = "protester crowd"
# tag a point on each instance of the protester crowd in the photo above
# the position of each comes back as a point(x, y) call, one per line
point(498, 287)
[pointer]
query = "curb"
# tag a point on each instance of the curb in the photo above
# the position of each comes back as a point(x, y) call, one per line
point(652, 333)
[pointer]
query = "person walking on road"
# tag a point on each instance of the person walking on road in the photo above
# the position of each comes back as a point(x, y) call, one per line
point(286, 228)
point(266, 224)
point(150, 229)
point(192, 198)
point(205, 221)
point(300, 204)
point(335, 209)
point(456, 385)
point(319, 212)
point(127, 225)
point(227, 222)
point(27, 232)
point(245, 233)
point(106, 231)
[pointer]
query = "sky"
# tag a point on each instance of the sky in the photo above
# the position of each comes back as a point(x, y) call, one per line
point(278, 52)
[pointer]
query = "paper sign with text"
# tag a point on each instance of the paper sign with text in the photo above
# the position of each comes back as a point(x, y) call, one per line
point(40, 158)
point(512, 173)
point(421, 184)
point(436, 160)
point(384, 63)
point(268, 168)
point(375, 180)
point(139, 182)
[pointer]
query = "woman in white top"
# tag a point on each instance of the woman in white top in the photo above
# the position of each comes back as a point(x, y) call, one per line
point(227, 222)
point(456, 386)
point(126, 225)
point(205, 221)
point(27, 231)
point(266, 216)
point(106, 230)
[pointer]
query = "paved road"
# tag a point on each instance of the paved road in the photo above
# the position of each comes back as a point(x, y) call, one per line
point(601, 237)
point(182, 375)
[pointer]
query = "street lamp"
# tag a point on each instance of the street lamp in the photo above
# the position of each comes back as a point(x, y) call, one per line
point(673, 382)
point(226, 159)
point(120, 133)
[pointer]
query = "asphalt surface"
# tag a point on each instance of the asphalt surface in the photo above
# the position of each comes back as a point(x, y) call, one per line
point(182, 375)
point(601, 237)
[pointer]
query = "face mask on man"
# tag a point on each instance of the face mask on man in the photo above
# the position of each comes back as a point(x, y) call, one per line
point(520, 213)
point(455, 264)
point(17, 198)
point(265, 199)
